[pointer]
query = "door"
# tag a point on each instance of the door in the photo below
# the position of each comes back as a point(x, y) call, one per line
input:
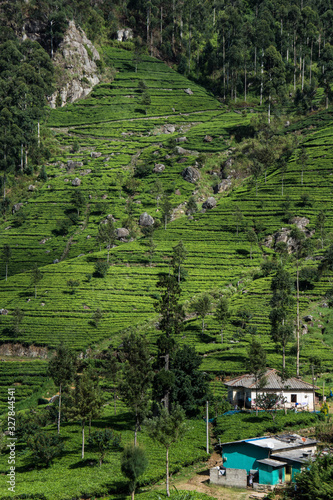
point(288, 473)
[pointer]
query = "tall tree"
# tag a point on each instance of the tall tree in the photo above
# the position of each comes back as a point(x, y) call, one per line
point(179, 255)
point(133, 464)
point(202, 307)
point(171, 321)
point(61, 369)
point(137, 376)
point(222, 313)
point(167, 428)
point(256, 363)
point(6, 254)
point(36, 276)
point(281, 302)
point(86, 402)
point(302, 249)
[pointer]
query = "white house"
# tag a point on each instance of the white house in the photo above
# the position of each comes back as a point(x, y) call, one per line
point(297, 393)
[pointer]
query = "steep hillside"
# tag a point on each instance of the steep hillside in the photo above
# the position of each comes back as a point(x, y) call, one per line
point(124, 134)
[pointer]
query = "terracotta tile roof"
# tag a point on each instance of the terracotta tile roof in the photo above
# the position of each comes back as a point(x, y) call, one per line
point(273, 381)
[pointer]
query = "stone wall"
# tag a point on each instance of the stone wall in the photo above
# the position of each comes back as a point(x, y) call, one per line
point(228, 477)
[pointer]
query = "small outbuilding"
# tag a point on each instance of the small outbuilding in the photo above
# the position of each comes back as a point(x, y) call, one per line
point(296, 392)
point(264, 460)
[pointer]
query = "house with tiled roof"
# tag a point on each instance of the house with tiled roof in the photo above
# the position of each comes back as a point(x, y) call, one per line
point(296, 392)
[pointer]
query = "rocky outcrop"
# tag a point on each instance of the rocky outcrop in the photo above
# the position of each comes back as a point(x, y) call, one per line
point(191, 174)
point(146, 220)
point(76, 182)
point(284, 235)
point(188, 91)
point(76, 58)
point(222, 186)
point(159, 167)
point(122, 232)
point(31, 351)
point(209, 203)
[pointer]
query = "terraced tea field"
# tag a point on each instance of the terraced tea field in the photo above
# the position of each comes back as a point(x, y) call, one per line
point(113, 123)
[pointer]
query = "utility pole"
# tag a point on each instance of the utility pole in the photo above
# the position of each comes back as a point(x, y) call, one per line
point(207, 429)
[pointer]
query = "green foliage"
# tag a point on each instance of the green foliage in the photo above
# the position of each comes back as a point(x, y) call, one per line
point(133, 464)
point(104, 441)
point(45, 447)
point(101, 269)
point(315, 481)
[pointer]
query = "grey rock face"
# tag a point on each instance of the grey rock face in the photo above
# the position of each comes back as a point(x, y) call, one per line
point(191, 174)
point(209, 203)
point(146, 220)
point(74, 164)
point(76, 182)
point(95, 154)
point(188, 91)
point(159, 167)
point(122, 232)
point(76, 63)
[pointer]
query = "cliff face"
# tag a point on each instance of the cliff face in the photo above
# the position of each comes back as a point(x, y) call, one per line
point(76, 69)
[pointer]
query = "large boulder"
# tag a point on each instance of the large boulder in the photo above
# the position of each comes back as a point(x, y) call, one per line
point(209, 203)
point(191, 174)
point(181, 139)
point(188, 91)
point(159, 167)
point(222, 186)
point(76, 182)
point(146, 220)
point(74, 164)
point(95, 154)
point(122, 232)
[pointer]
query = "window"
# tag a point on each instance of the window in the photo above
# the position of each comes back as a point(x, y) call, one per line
point(294, 398)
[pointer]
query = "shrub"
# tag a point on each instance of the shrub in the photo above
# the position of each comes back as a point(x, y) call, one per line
point(45, 447)
point(101, 269)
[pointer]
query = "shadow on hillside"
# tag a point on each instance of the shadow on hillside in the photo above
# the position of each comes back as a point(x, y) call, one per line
point(242, 251)
point(241, 132)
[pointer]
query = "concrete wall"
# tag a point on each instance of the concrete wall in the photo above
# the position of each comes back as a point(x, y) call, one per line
point(231, 477)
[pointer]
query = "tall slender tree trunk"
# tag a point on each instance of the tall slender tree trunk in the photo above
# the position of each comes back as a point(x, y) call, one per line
point(221, 335)
point(303, 67)
point(224, 82)
point(161, 26)
point(83, 423)
point(167, 471)
point(21, 157)
point(311, 52)
point(38, 134)
point(59, 410)
point(136, 427)
point(173, 26)
point(297, 320)
point(295, 65)
point(245, 83)
point(115, 402)
point(262, 76)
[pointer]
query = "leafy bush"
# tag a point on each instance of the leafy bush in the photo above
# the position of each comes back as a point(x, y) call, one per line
point(45, 447)
point(101, 269)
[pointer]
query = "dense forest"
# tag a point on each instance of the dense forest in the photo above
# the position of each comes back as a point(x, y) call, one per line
point(166, 231)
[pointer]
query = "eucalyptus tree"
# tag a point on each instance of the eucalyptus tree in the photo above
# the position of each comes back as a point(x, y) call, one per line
point(256, 364)
point(280, 316)
point(222, 313)
point(136, 376)
point(61, 369)
point(171, 323)
point(6, 254)
point(179, 254)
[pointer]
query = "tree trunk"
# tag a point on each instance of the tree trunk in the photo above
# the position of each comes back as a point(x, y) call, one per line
point(59, 410)
point(161, 26)
point(136, 427)
point(203, 325)
point(6, 270)
point(245, 83)
point(269, 110)
point(283, 358)
point(311, 51)
point(303, 66)
point(224, 86)
point(38, 134)
point(297, 320)
point(89, 425)
point(295, 69)
point(262, 76)
point(221, 335)
point(82, 454)
point(167, 471)
point(115, 402)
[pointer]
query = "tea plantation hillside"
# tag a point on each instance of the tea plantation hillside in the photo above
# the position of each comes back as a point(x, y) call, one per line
point(111, 142)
